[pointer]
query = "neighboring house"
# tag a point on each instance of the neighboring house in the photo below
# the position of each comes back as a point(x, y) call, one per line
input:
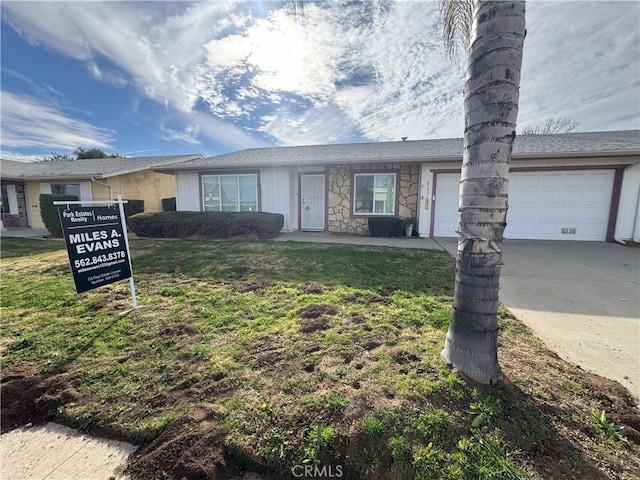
point(89, 179)
point(577, 186)
point(14, 204)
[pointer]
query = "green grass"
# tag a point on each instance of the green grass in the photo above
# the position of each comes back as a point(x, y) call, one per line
point(272, 336)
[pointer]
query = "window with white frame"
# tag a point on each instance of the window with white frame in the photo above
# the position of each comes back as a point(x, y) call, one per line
point(230, 193)
point(374, 194)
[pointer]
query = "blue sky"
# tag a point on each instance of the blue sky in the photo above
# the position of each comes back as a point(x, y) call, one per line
point(163, 78)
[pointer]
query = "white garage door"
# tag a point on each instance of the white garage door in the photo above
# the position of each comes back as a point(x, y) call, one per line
point(551, 205)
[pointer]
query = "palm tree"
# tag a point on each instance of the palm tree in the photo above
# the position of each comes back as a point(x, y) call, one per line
point(493, 32)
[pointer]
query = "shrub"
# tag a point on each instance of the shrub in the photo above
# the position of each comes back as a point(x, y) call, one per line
point(385, 226)
point(133, 207)
point(49, 211)
point(169, 204)
point(218, 225)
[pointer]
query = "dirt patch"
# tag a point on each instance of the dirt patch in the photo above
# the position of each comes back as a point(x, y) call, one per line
point(310, 325)
point(255, 286)
point(402, 356)
point(368, 299)
point(357, 318)
point(316, 310)
point(561, 394)
point(237, 272)
point(29, 398)
point(312, 288)
point(191, 447)
point(176, 329)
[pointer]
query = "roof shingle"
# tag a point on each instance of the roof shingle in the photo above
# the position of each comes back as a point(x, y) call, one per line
point(627, 141)
point(86, 168)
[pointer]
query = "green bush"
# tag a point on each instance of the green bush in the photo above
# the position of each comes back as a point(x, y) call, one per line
point(49, 211)
point(218, 225)
point(169, 204)
point(385, 226)
point(133, 207)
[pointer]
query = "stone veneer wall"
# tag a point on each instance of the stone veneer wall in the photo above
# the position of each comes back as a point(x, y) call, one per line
point(340, 195)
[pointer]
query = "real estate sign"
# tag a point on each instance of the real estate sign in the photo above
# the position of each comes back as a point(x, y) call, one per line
point(96, 244)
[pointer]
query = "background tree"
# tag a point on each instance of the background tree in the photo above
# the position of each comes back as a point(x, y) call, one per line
point(552, 126)
point(83, 153)
point(493, 33)
point(56, 157)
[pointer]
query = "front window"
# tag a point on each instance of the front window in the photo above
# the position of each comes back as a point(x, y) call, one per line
point(230, 193)
point(375, 194)
point(5, 200)
point(66, 189)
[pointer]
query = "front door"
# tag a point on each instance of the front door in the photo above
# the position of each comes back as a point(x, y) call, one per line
point(312, 202)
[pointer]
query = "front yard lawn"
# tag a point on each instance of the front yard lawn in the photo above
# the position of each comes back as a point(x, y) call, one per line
point(271, 356)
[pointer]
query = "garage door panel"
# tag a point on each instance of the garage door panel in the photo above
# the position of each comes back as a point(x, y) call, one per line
point(593, 213)
point(523, 228)
point(590, 229)
point(550, 197)
point(574, 180)
point(549, 213)
point(558, 205)
point(598, 180)
point(598, 197)
point(546, 229)
point(552, 180)
point(527, 196)
point(574, 197)
point(530, 180)
point(570, 214)
point(525, 213)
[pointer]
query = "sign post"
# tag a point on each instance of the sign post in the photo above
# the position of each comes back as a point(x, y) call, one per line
point(97, 244)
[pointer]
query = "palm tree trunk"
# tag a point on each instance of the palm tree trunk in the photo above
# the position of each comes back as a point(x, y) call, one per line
point(491, 110)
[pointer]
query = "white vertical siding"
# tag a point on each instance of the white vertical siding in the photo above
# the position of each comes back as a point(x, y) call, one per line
point(275, 193)
point(628, 221)
point(424, 201)
point(188, 191)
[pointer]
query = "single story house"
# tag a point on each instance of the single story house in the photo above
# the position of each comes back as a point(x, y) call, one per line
point(89, 179)
point(576, 186)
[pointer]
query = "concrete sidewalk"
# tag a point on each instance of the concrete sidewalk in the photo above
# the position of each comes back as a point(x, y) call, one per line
point(55, 452)
point(24, 232)
point(325, 237)
point(581, 298)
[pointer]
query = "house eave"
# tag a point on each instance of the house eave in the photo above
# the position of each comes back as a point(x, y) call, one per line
point(361, 161)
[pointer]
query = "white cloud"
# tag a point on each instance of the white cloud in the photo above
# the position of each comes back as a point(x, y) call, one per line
point(157, 44)
point(29, 123)
point(374, 69)
point(370, 65)
point(17, 156)
point(582, 61)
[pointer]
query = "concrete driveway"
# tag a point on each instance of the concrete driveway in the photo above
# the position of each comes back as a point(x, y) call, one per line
point(581, 298)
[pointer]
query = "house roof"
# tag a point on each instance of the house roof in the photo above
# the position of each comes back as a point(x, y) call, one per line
point(86, 168)
point(10, 169)
point(571, 144)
